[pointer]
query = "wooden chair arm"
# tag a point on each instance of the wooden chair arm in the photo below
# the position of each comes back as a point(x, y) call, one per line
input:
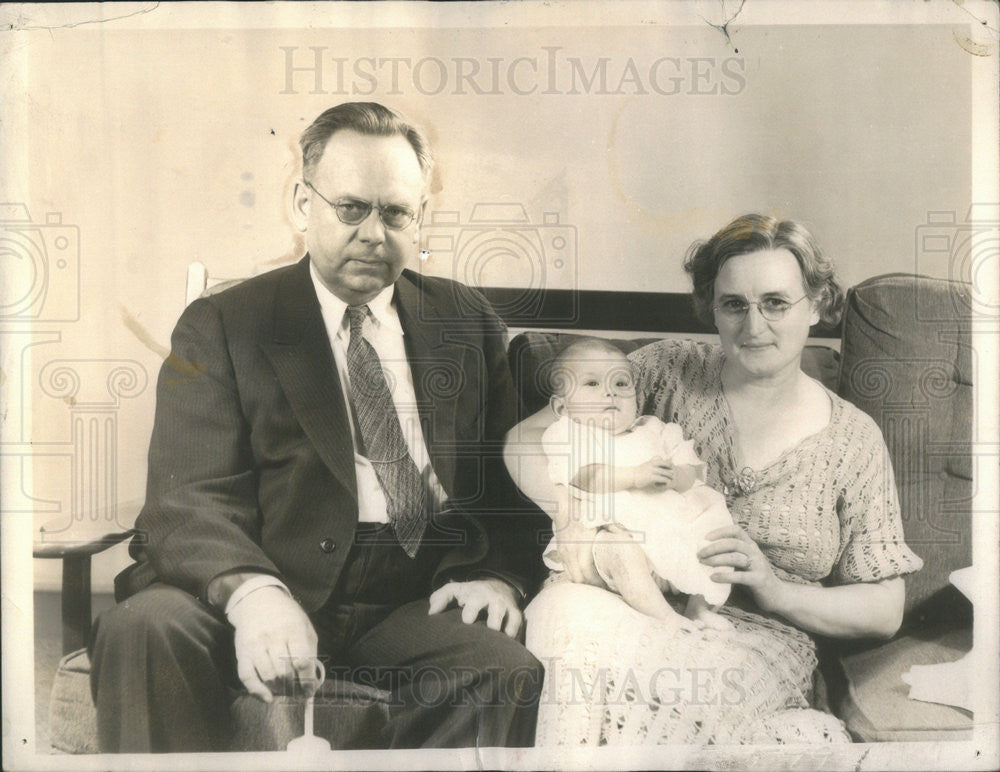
point(48, 544)
point(75, 547)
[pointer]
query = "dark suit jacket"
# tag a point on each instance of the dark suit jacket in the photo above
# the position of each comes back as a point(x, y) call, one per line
point(251, 461)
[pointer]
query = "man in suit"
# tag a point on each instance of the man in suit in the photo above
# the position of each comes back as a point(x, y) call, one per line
point(325, 456)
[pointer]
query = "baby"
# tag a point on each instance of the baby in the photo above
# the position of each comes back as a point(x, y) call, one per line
point(642, 487)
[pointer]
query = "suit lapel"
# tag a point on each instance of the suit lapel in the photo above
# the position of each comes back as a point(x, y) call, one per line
point(301, 356)
point(431, 358)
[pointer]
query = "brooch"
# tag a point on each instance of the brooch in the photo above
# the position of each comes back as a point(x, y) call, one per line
point(744, 483)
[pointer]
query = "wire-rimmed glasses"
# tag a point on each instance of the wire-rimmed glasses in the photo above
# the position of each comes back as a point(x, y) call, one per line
point(773, 309)
point(354, 211)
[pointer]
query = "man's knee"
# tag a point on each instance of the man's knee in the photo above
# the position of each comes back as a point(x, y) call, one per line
point(155, 619)
point(161, 667)
point(491, 662)
point(522, 682)
point(512, 674)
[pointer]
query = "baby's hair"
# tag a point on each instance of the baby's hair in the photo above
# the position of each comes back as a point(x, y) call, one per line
point(559, 365)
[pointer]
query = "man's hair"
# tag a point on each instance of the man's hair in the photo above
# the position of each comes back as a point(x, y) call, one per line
point(758, 233)
point(369, 118)
point(559, 377)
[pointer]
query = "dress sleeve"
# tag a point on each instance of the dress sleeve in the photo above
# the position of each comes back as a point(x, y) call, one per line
point(676, 449)
point(872, 545)
point(555, 440)
point(569, 447)
point(655, 370)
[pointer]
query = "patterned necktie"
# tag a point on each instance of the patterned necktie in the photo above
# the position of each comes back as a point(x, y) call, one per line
point(405, 493)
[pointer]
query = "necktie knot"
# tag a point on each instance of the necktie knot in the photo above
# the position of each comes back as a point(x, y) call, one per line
point(356, 317)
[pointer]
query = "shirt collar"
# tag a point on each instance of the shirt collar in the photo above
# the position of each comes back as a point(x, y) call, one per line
point(382, 308)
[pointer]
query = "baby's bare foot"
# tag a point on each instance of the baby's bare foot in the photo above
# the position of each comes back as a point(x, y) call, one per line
point(708, 618)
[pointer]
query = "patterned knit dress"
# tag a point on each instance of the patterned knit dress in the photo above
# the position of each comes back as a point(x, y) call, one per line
point(825, 512)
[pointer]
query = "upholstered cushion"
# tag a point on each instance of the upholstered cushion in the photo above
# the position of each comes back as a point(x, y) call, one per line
point(347, 715)
point(72, 717)
point(531, 353)
point(876, 707)
point(906, 360)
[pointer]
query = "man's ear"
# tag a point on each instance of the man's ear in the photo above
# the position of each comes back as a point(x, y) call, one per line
point(301, 201)
point(558, 405)
point(421, 213)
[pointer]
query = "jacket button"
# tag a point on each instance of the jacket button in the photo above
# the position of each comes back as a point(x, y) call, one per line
point(328, 545)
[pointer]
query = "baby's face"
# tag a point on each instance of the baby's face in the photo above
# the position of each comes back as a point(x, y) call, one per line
point(596, 386)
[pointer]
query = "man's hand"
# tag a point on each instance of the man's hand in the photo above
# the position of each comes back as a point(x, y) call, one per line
point(275, 642)
point(495, 595)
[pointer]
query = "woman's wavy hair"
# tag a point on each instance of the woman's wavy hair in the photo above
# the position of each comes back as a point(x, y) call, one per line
point(757, 233)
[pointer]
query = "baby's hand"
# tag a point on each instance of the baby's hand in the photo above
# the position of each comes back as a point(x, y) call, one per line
point(685, 477)
point(655, 473)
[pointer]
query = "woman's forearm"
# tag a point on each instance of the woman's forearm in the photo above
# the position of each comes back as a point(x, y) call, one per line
point(528, 465)
point(848, 611)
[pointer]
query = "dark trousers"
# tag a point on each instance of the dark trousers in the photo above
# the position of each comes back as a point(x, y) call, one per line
point(163, 670)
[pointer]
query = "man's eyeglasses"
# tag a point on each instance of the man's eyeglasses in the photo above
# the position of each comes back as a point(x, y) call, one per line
point(354, 211)
point(773, 309)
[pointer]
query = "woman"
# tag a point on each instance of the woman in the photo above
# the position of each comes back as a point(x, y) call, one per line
point(818, 546)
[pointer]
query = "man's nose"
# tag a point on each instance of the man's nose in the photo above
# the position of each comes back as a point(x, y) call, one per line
point(371, 230)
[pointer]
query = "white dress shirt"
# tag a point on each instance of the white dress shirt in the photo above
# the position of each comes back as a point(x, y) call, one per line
point(383, 330)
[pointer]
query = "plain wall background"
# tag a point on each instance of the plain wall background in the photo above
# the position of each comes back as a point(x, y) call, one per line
point(169, 146)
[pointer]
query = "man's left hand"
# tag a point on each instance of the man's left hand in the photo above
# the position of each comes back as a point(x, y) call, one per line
point(495, 595)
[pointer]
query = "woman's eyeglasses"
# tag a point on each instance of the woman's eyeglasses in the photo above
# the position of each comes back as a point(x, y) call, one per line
point(772, 309)
point(354, 211)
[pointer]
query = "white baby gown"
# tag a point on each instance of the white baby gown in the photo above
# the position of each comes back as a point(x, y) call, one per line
point(670, 526)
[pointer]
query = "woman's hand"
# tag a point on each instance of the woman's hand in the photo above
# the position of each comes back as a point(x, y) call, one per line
point(576, 552)
point(575, 541)
point(731, 546)
point(861, 610)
